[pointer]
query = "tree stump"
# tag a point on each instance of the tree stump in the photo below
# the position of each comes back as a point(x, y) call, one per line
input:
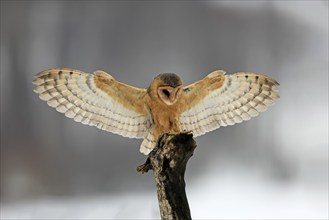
point(168, 161)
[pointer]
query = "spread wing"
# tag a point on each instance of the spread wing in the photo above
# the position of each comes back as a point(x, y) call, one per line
point(221, 100)
point(95, 99)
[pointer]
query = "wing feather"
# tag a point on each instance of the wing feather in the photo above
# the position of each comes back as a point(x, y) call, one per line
point(95, 99)
point(221, 100)
point(149, 142)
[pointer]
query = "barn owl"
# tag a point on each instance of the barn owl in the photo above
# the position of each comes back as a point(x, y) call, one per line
point(165, 106)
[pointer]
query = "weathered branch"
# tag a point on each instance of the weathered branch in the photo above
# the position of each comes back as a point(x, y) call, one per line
point(168, 161)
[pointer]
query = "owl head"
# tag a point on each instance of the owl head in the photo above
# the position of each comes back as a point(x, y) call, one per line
point(167, 87)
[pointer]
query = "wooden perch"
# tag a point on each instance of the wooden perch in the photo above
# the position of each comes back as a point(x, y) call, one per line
point(168, 161)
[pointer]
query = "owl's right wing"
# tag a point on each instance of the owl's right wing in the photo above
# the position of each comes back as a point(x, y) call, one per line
point(95, 99)
point(221, 100)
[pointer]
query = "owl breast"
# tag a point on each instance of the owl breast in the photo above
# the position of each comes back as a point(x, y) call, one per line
point(166, 119)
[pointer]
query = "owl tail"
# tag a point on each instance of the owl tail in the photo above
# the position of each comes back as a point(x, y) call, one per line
point(148, 143)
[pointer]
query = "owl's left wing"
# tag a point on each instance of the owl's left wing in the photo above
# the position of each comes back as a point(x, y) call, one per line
point(95, 99)
point(221, 100)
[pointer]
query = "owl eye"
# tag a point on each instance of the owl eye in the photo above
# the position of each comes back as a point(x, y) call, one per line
point(166, 92)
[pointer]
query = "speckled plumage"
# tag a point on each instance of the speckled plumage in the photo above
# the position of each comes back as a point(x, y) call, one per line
point(166, 106)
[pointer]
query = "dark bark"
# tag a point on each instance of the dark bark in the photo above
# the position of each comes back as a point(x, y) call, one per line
point(168, 161)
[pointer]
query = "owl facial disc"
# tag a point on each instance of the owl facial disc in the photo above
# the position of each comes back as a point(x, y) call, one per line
point(168, 94)
point(169, 87)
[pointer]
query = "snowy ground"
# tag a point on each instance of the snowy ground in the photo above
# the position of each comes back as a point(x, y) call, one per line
point(229, 196)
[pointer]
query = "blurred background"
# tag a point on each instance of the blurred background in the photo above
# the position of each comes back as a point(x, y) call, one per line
point(274, 166)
